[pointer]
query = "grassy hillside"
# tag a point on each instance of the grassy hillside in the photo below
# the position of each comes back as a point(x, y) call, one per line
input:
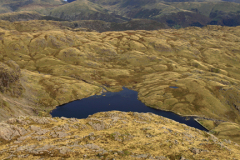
point(83, 10)
point(58, 65)
point(42, 6)
point(46, 23)
point(188, 13)
point(20, 16)
point(206, 8)
point(110, 135)
point(102, 26)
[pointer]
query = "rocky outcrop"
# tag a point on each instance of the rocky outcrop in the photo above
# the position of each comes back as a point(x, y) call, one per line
point(119, 135)
point(9, 78)
point(9, 73)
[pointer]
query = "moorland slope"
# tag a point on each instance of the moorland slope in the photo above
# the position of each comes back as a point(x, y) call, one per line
point(42, 6)
point(97, 25)
point(176, 13)
point(44, 66)
point(109, 135)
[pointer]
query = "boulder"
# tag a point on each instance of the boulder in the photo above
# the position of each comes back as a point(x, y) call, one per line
point(8, 132)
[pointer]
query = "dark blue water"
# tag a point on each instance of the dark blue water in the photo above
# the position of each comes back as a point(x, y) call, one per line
point(125, 100)
point(173, 87)
point(69, 1)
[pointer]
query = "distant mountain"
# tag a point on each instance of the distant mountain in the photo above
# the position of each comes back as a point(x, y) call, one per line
point(179, 13)
point(84, 10)
point(236, 1)
point(173, 13)
point(42, 6)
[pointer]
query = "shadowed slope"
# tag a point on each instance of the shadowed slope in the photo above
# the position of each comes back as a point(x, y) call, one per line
point(175, 14)
point(20, 16)
point(29, 5)
point(188, 13)
point(83, 10)
point(87, 25)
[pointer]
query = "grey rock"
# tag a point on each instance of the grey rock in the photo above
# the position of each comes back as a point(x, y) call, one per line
point(182, 158)
point(62, 134)
point(97, 126)
point(149, 135)
point(27, 148)
point(16, 142)
point(7, 131)
point(53, 134)
point(57, 128)
point(66, 127)
point(116, 136)
point(47, 147)
point(2, 151)
point(115, 119)
point(176, 142)
point(20, 130)
point(73, 120)
point(227, 141)
point(23, 137)
point(76, 137)
point(22, 121)
point(92, 146)
point(41, 120)
point(34, 128)
point(23, 156)
point(102, 153)
point(142, 156)
point(91, 134)
point(41, 150)
point(9, 157)
point(39, 138)
point(64, 150)
point(207, 151)
point(54, 119)
point(195, 150)
point(42, 132)
point(161, 158)
point(146, 128)
point(12, 120)
point(74, 126)
point(92, 138)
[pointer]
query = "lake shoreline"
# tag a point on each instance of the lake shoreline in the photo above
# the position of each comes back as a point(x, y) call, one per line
point(125, 100)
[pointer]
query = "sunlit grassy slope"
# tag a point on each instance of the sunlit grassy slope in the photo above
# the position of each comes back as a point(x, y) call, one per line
point(110, 135)
point(58, 65)
point(42, 6)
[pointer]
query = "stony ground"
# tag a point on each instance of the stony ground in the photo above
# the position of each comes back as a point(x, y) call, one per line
point(109, 135)
point(45, 65)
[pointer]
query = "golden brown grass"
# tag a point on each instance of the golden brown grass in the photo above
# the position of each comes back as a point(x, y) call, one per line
point(62, 65)
point(124, 136)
